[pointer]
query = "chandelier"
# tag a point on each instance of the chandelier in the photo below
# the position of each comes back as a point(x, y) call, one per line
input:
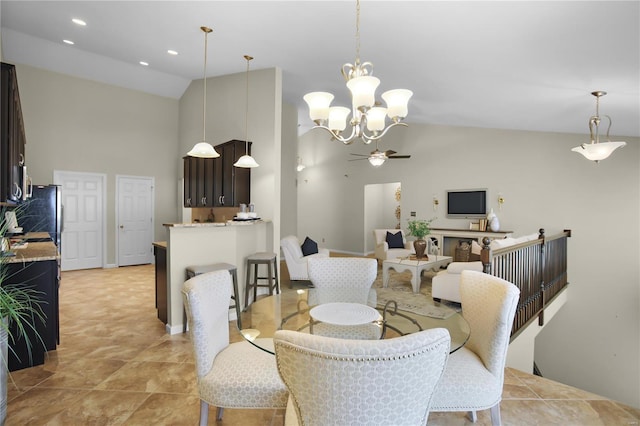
point(204, 149)
point(246, 161)
point(368, 121)
point(596, 150)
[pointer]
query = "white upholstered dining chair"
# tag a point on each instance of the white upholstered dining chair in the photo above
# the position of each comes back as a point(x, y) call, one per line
point(348, 280)
point(355, 382)
point(236, 375)
point(343, 279)
point(474, 376)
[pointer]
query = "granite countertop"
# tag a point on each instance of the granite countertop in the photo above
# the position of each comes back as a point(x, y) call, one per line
point(213, 224)
point(32, 251)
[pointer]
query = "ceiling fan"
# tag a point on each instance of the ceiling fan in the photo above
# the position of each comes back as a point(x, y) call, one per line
point(377, 157)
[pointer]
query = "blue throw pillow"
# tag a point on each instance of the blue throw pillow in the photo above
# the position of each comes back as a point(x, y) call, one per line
point(309, 247)
point(395, 240)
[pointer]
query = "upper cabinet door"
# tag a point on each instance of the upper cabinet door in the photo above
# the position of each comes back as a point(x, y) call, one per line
point(12, 137)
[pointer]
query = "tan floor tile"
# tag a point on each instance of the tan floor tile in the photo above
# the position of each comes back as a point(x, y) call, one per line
point(113, 345)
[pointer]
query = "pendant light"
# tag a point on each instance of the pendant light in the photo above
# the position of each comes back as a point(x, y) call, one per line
point(596, 150)
point(246, 161)
point(204, 149)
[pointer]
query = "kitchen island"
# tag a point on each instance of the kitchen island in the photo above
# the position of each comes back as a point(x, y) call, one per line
point(191, 244)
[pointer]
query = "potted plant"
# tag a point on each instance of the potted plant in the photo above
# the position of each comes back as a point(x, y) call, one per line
point(19, 311)
point(420, 228)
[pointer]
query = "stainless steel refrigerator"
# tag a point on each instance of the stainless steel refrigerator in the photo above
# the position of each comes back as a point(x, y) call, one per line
point(42, 212)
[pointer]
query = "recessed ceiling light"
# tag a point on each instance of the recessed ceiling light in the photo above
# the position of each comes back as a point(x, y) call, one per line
point(143, 63)
point(172, 52)
point(79, 22)
point(68, 41)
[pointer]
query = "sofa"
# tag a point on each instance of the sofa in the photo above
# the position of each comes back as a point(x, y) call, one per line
point(446, 284)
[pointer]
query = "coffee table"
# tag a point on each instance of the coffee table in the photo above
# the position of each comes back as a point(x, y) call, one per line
point(416, 267)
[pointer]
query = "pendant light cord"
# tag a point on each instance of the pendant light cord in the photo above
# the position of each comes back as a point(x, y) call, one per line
point(206, 31)
point(246, 121)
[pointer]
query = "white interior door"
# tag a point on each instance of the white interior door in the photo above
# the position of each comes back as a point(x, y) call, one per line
point(83, 219)
point(134, 219)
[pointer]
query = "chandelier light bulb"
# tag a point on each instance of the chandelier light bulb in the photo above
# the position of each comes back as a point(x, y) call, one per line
point(397, 102)
point(338, 118)
point(318, 104)
point(375, 119)
point(363, 91)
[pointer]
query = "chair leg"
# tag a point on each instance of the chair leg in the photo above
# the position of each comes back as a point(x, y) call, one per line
point(495, 415)
point(204, 413)
point(220, 411)
point(472, 416)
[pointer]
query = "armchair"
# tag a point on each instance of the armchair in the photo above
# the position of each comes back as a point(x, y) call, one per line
point(296, 262)
point(382, 250)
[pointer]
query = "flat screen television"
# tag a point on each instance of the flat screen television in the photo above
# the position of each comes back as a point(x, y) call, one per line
point(467, 203)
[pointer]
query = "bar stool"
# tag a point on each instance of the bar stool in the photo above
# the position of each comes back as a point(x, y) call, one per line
point(255, 260)
point(192, 271)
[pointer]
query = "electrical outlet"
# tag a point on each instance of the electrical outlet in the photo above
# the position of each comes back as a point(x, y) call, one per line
point(323, 240)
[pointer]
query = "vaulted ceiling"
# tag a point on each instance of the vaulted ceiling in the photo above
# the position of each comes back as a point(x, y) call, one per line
point(512, 65)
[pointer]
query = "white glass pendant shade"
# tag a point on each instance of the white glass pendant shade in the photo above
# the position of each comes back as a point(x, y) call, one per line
point(397, 102)
point(338, 118)
point(246, 161)
point(203, 150)
point(598, 151)
point(363, 91)
point(375, 118)
point(318, 104)
point(377, 159)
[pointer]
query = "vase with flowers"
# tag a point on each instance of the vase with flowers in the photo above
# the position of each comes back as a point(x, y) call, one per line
point(420, 228)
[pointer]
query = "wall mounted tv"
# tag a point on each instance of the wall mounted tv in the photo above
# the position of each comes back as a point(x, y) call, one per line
point(466, 203)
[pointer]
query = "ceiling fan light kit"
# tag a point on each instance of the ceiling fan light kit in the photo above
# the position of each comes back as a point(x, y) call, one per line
point(596, 150)
point(368, 122)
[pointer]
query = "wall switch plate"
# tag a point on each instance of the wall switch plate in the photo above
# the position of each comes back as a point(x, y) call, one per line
point(412, 214)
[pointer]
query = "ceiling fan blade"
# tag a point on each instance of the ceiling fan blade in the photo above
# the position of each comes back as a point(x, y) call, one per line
point(399, 156)
point(360, 155)
point(389, 152)
point(356, 159)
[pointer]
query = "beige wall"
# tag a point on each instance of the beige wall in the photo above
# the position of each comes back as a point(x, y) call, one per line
point(79, 125)
point(226, 120)
point(593, 343)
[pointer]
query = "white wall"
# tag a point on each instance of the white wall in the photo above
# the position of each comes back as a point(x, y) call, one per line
point(379, 211)
point(594, 341)
point(79, 125)
point(289, 182)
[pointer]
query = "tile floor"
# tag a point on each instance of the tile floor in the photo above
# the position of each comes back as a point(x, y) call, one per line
point(116, 366)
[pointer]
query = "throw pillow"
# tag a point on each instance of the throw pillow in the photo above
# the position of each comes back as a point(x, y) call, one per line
point(395, 240)
point(309, 247)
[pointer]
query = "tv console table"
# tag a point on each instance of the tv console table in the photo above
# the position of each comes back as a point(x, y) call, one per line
point(444, 237)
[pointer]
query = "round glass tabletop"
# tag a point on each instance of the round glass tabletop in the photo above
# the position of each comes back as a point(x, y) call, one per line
point(290, 311)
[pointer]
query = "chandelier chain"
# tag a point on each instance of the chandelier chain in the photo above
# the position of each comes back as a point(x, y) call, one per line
point(357, 32)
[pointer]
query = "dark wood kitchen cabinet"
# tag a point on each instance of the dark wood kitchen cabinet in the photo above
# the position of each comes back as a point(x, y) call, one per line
point(215, 182)
point(12, 136)
point(198, 182)
point(232, 185)
point(43, 277)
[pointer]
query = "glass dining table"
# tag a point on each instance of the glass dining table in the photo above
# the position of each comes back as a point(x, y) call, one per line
point(290, 311)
